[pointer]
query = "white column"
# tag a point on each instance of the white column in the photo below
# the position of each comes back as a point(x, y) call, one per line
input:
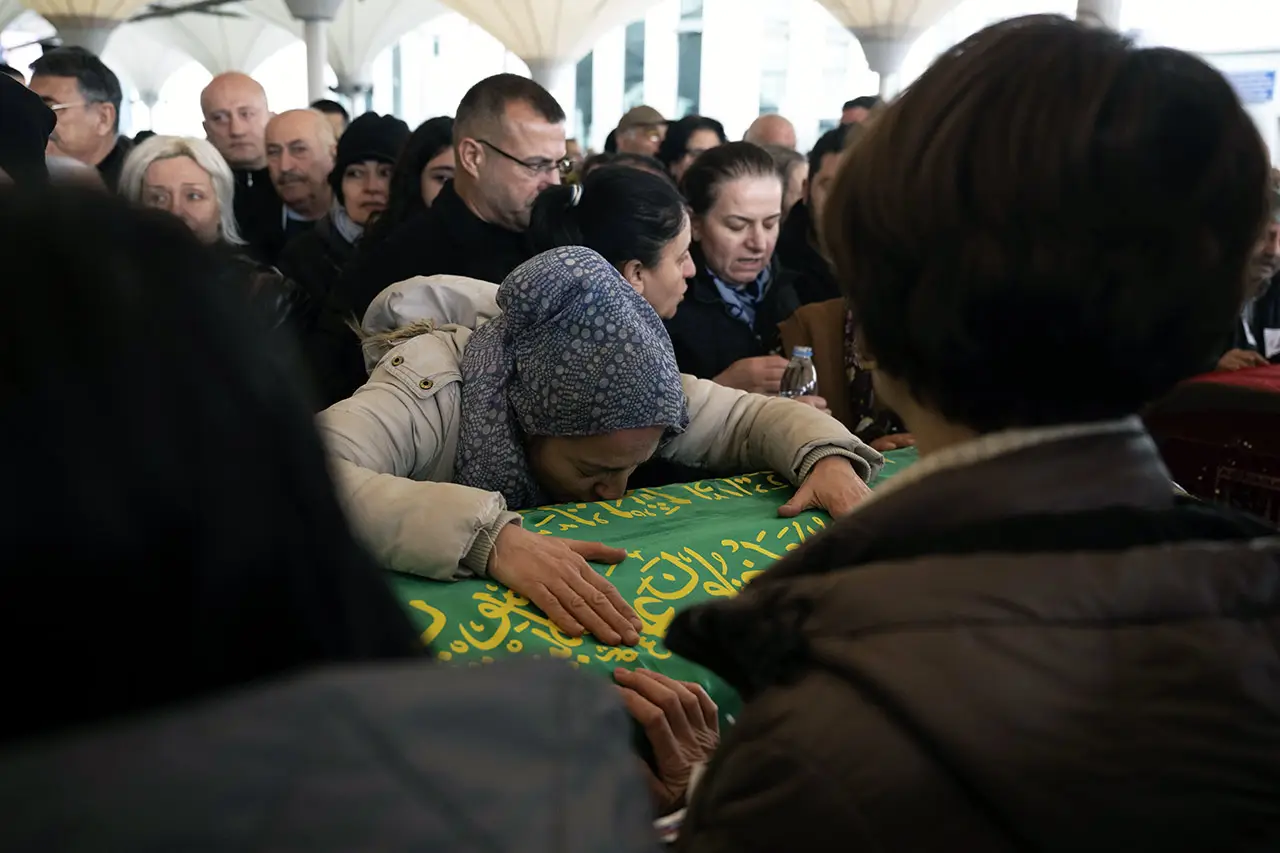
point(661, 58)
point(730, 70)
point(608, 74)
point(316, 35)
point(315, 16)
point(80, 31)
point(885, 56)
point(1104, 12)
point(559, 77)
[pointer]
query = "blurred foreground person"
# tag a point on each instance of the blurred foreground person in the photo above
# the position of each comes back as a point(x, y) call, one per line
point(168, 549)
point(27, 122)
point(1025, 642)
point(207, 530)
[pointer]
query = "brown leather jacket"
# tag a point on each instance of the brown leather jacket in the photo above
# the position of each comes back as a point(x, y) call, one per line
point(1036, 647)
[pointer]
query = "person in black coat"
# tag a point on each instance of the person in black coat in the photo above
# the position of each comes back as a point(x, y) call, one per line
point(510, 145)
point(1255, 341)
point(727, 327)
point(361, 181)
point(798, 247)
point(235, 121)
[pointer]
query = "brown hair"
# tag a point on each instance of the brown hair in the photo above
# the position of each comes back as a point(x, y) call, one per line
point(1050, 225)
point(718, 166)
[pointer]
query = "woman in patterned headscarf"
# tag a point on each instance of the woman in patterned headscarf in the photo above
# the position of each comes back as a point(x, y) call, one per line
point(566, 386)
point(571, 389)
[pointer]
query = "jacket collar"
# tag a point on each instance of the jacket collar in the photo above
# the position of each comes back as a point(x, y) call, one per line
point(865, 575)
point(467, 229)
point(702, 287)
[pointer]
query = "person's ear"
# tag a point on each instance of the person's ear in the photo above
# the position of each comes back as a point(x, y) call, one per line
point(207, 134)
point(695, 228)
point(633, 272)
point(106, 119)
point(470, 157)
point(804, 191)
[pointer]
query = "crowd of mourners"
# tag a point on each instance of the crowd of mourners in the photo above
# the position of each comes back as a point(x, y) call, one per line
point(248, 373)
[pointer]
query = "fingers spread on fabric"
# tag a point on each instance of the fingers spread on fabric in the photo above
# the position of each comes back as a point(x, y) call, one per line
point(597, 552)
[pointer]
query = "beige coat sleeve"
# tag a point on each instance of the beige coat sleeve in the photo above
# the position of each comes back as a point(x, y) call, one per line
point(731, 431)
point(387, 444)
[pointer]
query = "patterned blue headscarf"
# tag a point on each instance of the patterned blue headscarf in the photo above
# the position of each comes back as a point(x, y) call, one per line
point(576, 352)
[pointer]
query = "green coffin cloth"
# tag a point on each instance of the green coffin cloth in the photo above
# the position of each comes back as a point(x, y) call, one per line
point(685, 544)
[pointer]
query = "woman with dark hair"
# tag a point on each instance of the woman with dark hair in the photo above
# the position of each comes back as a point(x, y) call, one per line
point(199, 535)
point(686, 139)
point(1027, 641)
point(425, 163)
point(637, 221)
point(727, 328)
point(634, 161)
point(361, 182)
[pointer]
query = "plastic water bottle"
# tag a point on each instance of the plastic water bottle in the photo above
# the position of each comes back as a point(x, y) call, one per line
point(800, 378)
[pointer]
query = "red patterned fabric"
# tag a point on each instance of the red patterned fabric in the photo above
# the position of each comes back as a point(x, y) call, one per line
point(1220, 436)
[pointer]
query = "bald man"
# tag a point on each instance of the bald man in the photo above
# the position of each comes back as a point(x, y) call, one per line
point(300, 151)
point(772, 130)
point(235, 121)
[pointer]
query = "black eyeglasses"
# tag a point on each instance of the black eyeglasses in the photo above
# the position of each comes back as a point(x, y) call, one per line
point(538, 167)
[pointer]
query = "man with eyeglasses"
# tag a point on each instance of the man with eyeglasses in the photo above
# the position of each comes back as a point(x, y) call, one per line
point(85, 95)
point(509, 145)
point(640, 131)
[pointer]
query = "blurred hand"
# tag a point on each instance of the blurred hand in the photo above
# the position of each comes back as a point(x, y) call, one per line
point(554, 575)
point(1241, 359)
point(893, 442)
point(832, 485)
point(818, 403)
point(682, 724)
point(760, 375)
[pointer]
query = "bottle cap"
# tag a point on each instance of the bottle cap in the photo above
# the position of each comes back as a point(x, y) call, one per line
point(802, 352)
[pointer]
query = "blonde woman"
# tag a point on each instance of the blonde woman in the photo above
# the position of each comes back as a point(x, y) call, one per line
point(187, 178)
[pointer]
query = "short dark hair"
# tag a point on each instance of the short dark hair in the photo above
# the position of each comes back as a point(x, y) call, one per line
point(486, 103)
point(332, 108)
point(676, 143)
point(1060, 251)
point(715, 168)
point(98, 84)
point(831, 142)
point(405, 198)
point(866, 102)
point(624, 214)
point(10, 71)
point(628, 159)
point(246, 569)
point(784, 158)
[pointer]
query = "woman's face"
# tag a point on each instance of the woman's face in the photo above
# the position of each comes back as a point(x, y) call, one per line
point(181, 187)
point(663, 285)
point(699, 141)
point(365, 187)
point(438, 170)
point(591, 468)
point(737, 236)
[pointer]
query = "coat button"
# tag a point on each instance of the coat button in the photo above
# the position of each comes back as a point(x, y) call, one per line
point(397, 361)
point(426, 385)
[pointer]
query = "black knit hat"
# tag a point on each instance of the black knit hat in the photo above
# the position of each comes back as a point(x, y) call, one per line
point(27, 123)
point(370, 137)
